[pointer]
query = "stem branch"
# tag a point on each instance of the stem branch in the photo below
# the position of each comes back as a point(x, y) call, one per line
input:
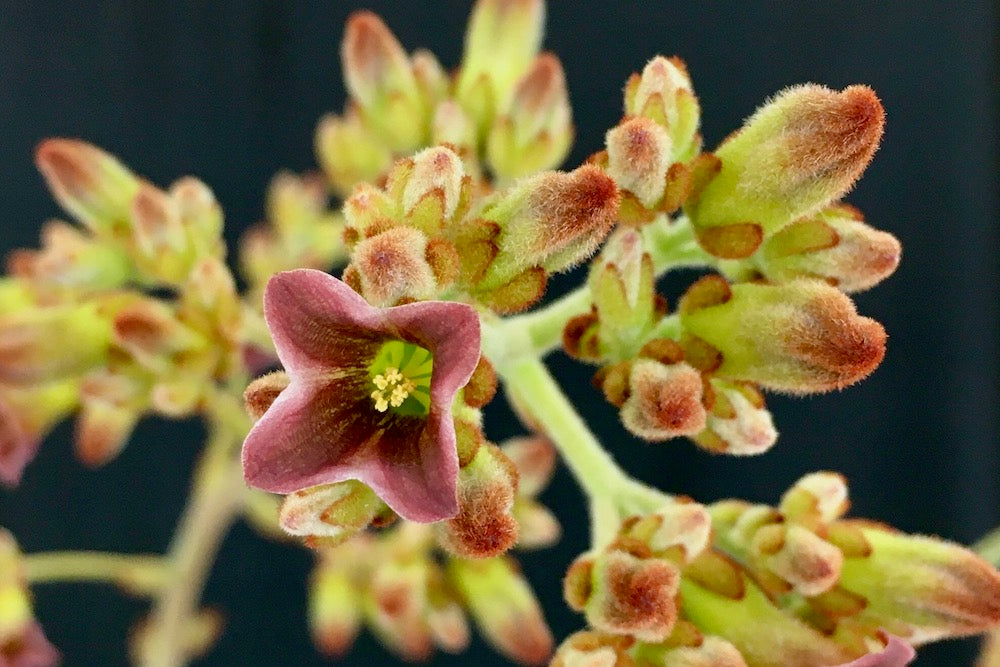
point(139, 574)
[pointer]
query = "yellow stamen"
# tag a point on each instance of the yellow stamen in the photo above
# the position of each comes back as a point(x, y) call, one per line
point(392, 389)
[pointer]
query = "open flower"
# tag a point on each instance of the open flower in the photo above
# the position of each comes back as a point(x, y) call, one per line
point(369, 397)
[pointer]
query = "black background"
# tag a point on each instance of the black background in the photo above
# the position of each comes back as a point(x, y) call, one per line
point(231, 90)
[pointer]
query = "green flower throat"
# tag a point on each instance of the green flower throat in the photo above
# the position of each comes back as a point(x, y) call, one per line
point(401, 379)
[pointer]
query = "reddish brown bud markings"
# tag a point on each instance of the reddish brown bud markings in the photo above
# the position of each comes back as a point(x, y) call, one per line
point(639, 158)
point(370, 53)
point(392, 266)
point(482, 386)
point(634, 596)
point(664, 401)
point(484, 526)
point(260, 394)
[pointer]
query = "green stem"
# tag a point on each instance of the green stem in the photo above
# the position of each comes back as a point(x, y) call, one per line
point(139, 574)
point(989, 547)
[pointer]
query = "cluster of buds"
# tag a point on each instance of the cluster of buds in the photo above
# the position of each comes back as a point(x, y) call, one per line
point(416, 585)
point(79, 325)
point(434, 231)
point(764, 210)
point(737, 584)
point(505, 108)
point(21, 639)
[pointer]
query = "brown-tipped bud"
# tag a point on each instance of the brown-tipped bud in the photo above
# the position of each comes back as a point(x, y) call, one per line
point(397, 605)
point(623, 288)
point(432, 187)
point(504, 606)
point(710, 652)
point(73, 259)
point(349, 153)
point(552, 220)
point(27, 414)
point(639, 155)
point(43, 344)
point(835, 246)
point(795, 155)
point(334, 604)
point(629, 595)
point(502, 39)
point(156, 223)
point(380, 78)
point(802, 337)
point(150, 331)
point(797, 555)
point(738, 421)
point(664, 401)
point(392, 267)
point(678, 524)
point(484, 526)
point(537, 526)
point(663, 93)
point(452, 125)
point(261, 393)
point(815, 500)
point(110, 408)
point(89, 183)
point(330, 513)
point(932, 588)
point(534, 131)
point(594, 649)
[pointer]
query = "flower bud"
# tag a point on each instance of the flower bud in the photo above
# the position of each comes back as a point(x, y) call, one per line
point(331, 513)
point(88, 183)
point(502, 40)
point(334, 602)
point(686, 525)
point(433, 183)
point(833, 245)
point(484, 526)
point(639, 156)
point(396, 607)
point(70, 258)
point(817, 499)
point(27, 414)
point(534, 131)
point(798, 556)
point(44, 344)
point(594, 649)
point(111, 404)
point(349, 153)
point(664, 400)
point(802, 337)
point(391, 267)
point(738, 422)
point(504, 607)
point(624, 594)
point(151, 332)
point(452, 126)
point(710, 652)
point(933, 588)
point(623, 289)
point(795, 155)
point(552, 220)
point(262, 392)
point(663, 93)
point(380, 79)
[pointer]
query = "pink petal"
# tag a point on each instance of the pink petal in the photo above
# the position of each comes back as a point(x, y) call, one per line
point(318, 323)
point(896, 653)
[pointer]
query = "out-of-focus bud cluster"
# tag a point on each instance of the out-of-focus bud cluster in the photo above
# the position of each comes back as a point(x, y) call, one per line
point(737, 584)
point(300, 231)
point(80, 326)
point(505, 108)
point(415, 586)
point(22, 641)
point(433, 232)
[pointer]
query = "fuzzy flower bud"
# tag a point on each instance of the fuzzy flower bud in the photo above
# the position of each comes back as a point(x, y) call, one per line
point(552, 220)
point(594, 649)
point(484, 526)
point(683, 525)
point(348, 152)
point(664, 400)
point(817, 499)
point(504, 606)
point(534, 132)
point(738, 422)
point(664, 94)
point(933, 588)
point(795, 155)
point(833, 245)
point(798, 556)
point(111, 404)
point(331, 513)
point(433, 184)
point(44, 344)
point(639, 157)
point(88, 183)
point(802, 337)
point(380, 79)
point(623, 289)
point(391, 267)
point(625, 594)
point(502, 39)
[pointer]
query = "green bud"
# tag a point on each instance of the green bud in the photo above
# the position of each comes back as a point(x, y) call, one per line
point(663, 93)
point(44, 344)
point(623, 289)
point(329, 514)
point(348, 152)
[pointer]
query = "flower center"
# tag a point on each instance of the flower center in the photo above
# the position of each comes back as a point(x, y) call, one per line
point(401, 378)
